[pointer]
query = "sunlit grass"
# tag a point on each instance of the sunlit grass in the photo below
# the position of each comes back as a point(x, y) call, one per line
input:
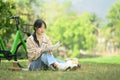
point(90, 70)
point(109, 60)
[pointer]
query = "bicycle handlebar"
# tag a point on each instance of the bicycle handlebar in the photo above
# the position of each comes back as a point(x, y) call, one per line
point(14, 17)
point(17, 18)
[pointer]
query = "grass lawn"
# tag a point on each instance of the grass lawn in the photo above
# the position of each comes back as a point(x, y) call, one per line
point(108, 60)
point(92, 69)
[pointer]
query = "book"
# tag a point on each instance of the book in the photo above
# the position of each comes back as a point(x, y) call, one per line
point(53, 47)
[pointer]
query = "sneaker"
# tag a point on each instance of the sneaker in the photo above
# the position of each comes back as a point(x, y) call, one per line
point(73, 63)
point(70, 64)
point(63, 66)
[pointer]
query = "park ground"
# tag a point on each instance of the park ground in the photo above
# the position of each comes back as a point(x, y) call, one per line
point(102, 68)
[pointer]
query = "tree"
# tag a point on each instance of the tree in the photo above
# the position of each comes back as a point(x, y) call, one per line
point(114, 23)
point(7, 9)
point(75, 32)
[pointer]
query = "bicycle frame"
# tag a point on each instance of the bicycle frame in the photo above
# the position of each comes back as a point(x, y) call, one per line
point(17, 40)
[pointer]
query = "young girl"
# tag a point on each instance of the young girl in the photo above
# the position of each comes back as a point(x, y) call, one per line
point(39, 48)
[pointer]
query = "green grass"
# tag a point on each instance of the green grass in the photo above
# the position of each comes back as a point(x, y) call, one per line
point(92, 69)
point(109, 60)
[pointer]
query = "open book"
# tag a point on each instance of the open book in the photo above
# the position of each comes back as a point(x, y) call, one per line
point(53, 47)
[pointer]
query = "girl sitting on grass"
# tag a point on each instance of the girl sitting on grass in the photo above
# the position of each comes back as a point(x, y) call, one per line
point(39, 48)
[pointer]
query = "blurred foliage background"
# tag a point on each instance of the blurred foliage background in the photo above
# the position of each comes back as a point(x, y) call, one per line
point(84, 33)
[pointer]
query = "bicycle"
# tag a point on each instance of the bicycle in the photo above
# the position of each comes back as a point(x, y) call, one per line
point(12, 53)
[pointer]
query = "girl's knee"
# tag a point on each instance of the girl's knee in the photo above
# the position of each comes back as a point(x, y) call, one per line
point(45, 55)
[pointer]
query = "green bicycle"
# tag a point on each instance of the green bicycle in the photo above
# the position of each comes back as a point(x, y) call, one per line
point(18, 41)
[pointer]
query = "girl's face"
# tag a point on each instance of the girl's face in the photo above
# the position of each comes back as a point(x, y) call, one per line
point(41, 30)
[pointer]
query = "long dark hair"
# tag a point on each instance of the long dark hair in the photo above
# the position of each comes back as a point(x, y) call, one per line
point(38, 24)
